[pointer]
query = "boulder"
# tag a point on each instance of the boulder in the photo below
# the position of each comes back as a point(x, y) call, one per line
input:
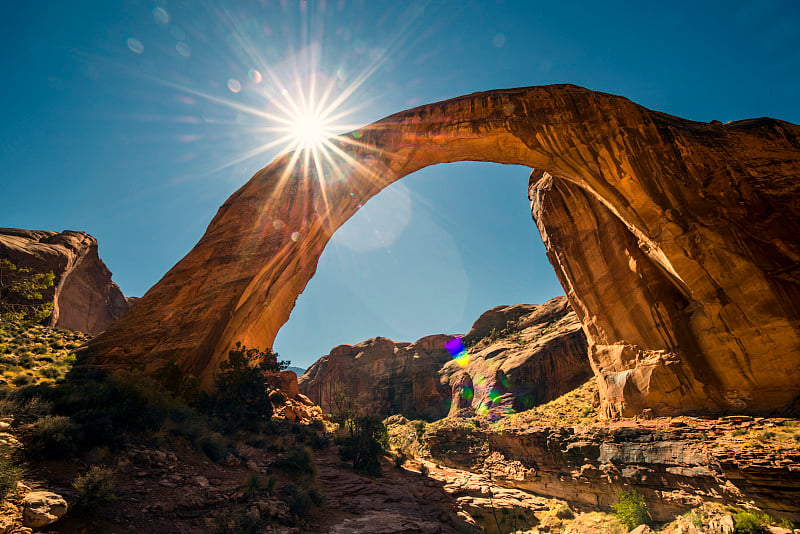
point(41, 508)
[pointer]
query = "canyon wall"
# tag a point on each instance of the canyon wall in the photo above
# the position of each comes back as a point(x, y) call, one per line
point(677, 243)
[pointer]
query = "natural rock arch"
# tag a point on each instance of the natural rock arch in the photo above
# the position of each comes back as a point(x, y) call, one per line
point(676, 242)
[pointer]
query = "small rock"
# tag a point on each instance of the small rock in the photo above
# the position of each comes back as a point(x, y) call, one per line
point(641, 529)
point(201, 481)
point(779, 530)
point(40, 508)
point(4, 426)
point(232, 461)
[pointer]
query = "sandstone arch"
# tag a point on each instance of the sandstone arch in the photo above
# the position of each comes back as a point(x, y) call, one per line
point(676, 242)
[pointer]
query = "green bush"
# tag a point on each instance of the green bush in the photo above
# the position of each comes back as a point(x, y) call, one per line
point(631, 510)
point(52, 437)
point(750, 522)
point(10, 471)
point(95, 488)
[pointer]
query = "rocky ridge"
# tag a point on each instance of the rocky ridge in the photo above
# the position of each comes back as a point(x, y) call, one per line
point(676, 464)
point(84, 297)
point(518, 356)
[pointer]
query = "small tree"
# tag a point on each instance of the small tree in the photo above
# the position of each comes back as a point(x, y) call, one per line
point(21, 293)
point(242, 398)
point(631, 510)
point(363, 442)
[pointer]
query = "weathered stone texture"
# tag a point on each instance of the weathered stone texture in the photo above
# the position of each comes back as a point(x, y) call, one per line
point(677, 242)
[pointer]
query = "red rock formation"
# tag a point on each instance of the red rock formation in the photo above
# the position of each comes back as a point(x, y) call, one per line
point(519, 357)
point(677, 243)
point(84, 297)
point(383, 376)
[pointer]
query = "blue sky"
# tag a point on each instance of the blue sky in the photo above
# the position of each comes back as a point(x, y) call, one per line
point(129, 120)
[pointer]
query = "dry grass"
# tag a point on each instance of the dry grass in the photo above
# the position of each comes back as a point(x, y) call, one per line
point(574, 408)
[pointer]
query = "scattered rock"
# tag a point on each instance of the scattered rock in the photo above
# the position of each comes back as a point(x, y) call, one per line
point(40, 508)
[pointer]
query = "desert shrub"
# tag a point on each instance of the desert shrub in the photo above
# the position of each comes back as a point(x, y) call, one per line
point(213, 445)
point(95, 488)
point(52, 437)
point(28, 410)
point(631, 510)
point(299, 458)
point(50, 372)
point(10, 471)
point(23, 379)
point(750, 522)
point(423, 470)
point(400, 459)
point(300, 500)
point(363, 442)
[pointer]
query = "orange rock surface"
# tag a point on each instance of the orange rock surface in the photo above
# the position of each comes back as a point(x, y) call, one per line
point(676, 242)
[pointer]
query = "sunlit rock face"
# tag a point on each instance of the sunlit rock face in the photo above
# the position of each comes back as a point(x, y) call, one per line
point(518, 357)
point(676, 242)
point(84, 297)
point(383, 377)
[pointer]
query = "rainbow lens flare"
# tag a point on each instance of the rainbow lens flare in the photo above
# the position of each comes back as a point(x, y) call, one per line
point(494, 396)
point(467, 393)
point(458, 351)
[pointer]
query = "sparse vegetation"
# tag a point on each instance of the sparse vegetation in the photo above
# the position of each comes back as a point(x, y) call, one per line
point(21, 297)
point(10, 470)
point(750, 522)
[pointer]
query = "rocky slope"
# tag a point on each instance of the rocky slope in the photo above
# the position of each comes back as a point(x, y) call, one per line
point(519, 356)
point(677, 243)
point(84, 297)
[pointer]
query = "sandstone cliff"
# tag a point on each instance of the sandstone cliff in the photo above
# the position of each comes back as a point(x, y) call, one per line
point(519, 356)
point(84, 297)
point(677, 243)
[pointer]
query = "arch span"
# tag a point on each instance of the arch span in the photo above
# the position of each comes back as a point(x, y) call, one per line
point(676, 242)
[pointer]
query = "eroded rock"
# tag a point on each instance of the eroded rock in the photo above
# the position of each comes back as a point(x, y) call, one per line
point(677, 243)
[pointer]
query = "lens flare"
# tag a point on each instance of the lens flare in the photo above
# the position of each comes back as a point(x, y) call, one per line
point(458, 351)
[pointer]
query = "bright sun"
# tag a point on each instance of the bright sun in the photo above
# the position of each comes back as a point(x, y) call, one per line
point(310, 129)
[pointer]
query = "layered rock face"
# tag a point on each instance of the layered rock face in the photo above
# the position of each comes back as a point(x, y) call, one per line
point(519, 356)
point(677, 243)
point(84, 297)
point(675, 465)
